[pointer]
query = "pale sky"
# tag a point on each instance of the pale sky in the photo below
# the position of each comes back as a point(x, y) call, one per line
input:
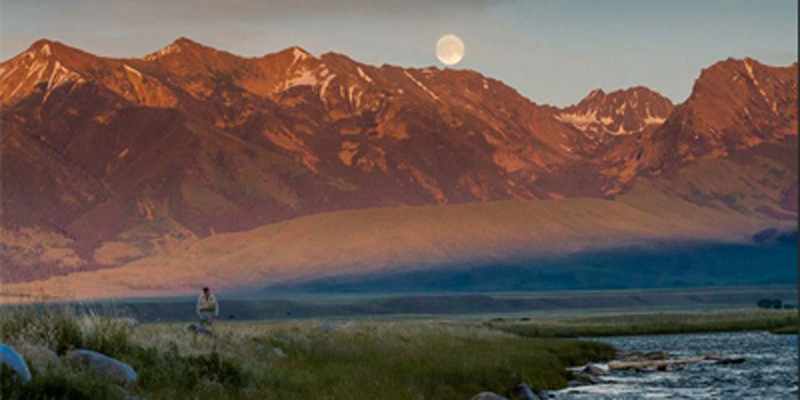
point(552, 51)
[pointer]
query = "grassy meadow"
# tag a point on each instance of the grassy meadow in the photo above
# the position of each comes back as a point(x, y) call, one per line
point(376, 360)
point(627, 324)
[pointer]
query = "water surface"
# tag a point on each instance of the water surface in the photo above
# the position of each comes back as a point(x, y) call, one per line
point(769, 372)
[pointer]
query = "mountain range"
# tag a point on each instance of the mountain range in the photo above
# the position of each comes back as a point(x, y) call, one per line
point(192, 165)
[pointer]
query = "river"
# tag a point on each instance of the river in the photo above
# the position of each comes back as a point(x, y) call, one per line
point(769, 372)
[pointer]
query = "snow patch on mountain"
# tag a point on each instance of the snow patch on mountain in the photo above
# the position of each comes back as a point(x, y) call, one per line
point(421, 86)
point(363, 75)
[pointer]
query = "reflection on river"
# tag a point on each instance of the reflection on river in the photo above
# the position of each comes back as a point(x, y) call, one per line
point(770, 370)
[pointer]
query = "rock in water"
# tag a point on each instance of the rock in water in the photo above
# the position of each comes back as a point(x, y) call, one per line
point(487, 396)
point(104, 365)
point(588, 378)
point(729, 361)
point(657, 355)
point(10, 358)
point(523, 392)
point(41, 358)
point(592, 369)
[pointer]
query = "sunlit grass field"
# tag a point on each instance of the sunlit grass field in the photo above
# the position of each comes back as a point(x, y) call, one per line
point(625, 324)
point(319, 360)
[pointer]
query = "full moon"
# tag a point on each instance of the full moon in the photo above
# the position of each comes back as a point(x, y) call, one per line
point(449, 49)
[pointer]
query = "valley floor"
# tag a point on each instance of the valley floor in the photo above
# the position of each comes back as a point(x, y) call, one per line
point(342, 359)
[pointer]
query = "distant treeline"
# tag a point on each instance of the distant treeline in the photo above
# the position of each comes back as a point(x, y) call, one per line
point(774, 304)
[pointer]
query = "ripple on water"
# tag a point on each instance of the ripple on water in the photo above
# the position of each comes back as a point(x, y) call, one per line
point(770, 370)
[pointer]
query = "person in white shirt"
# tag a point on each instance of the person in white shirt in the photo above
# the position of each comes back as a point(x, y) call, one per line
point(207, 307)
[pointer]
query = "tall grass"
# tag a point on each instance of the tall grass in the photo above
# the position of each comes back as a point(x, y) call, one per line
point(380, 360)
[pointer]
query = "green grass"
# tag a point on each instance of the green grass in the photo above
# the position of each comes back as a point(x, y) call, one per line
point(377, 360)
point(791, 329)
point(648, 324)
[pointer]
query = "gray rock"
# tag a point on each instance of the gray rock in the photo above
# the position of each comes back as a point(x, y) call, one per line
point(670, 367)
point(633, 356)
point(200, 330)
point(278, 352)
point(13, 360)
point(593, 379)
point(657, 355)
point(714, 355)
point(487, 396)
point(128, 322)
point(592, 369)
point(104, 365)
point(41, 358)
point(523, 392)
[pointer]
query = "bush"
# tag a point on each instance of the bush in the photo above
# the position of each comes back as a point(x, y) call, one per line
point(61, 386)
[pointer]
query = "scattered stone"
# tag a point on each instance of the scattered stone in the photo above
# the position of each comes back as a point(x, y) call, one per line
point(730, 361)
point(633, 356)
point(128, 322)
point(200, 330)
point(651, 364)
point(669, 367)
point(587, 378)
point(657, 355)
point(349, 324)
point(41, 358)
point(13, 360)
point(593, 369)
point(104, 365)
point(278, 352)
point(488, 396)
point(523, 392)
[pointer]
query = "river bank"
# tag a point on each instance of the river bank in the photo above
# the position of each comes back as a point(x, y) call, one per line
point(649, 323)
point(443, 359)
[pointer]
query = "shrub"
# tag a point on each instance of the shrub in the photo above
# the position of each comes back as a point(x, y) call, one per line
point(64, 385)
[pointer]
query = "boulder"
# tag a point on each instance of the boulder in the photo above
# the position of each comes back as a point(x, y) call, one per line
point(714, 355)
point(104, 365)
point(523, 392)
point(41, 358)
point(13, 360)
point(593, 369)
point(487, 396)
